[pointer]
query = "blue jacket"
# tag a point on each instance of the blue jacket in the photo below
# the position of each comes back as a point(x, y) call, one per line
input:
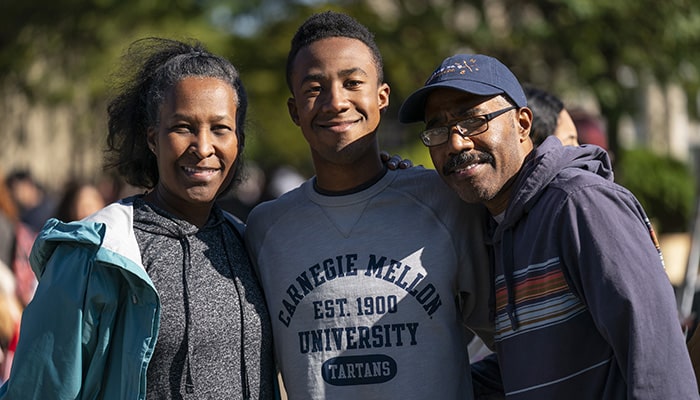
point(93, 300)
point(583, 307)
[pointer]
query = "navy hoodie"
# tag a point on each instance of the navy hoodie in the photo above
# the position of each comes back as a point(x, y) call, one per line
point(583, 307)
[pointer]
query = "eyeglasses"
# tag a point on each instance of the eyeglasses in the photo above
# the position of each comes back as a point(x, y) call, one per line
point(466, 128)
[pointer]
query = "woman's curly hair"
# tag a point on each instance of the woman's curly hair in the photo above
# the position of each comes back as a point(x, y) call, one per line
point(150, 67)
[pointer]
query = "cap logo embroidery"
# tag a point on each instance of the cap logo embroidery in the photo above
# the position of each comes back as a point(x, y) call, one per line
point(461, 68)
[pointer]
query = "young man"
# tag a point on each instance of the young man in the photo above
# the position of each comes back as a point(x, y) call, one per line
point(584, 309)
point(368, 273)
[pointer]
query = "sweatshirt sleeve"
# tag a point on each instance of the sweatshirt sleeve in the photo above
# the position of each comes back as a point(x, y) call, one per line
point(610, 254)
point(474, 279)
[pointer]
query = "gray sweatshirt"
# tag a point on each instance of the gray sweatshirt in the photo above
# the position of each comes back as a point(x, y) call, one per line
point(208, 292)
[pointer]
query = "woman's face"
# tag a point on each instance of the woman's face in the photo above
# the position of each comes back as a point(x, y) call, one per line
point(195, 144)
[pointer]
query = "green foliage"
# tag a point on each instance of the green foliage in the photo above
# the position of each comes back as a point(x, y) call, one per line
point(664, 186)
point(274, 139)
point(61, 52)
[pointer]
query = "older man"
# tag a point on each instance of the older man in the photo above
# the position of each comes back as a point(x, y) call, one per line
point(583, 308)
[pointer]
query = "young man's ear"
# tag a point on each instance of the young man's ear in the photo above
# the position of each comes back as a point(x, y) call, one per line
point(292, 108)
point(383, 94)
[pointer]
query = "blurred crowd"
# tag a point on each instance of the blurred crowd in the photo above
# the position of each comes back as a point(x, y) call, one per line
point(24, 207)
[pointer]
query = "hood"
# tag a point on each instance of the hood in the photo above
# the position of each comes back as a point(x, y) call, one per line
point(543, 164)
point(161, 223)
point(56, 232)
point(539, 169)
point(92, 231)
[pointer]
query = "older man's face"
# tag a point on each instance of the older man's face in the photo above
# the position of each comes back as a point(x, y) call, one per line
point(479, 168)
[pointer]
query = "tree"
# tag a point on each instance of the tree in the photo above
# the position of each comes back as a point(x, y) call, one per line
point(54, 61)
point(607, 49)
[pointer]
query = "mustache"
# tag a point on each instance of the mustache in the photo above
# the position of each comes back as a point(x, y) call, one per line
point(465, 158)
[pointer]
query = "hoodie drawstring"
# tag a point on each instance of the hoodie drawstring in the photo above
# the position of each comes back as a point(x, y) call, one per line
point(244, 371)
point(186, 265)
point(508, 277)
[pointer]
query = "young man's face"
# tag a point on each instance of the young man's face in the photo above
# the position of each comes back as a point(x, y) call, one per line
point(337, 100)
point(480, 168)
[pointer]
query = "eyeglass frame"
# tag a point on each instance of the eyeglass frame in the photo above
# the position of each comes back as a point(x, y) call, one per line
point(463, 132)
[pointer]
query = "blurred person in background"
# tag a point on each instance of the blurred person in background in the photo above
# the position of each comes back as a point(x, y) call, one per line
point(247, 194)
point(16, 240)
point(154, 296)
point(10, 315)
point(590, 128)
point(79, 200)
point(10, 304)
point(549, 118)
point(35, 204)
point(8, 218)
point(113, 188)
point(283, 179)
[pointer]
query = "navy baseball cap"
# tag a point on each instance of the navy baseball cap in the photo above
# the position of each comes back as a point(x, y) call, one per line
point(472, 73)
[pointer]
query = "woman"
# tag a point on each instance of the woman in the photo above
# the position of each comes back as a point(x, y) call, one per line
point(154, 296)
